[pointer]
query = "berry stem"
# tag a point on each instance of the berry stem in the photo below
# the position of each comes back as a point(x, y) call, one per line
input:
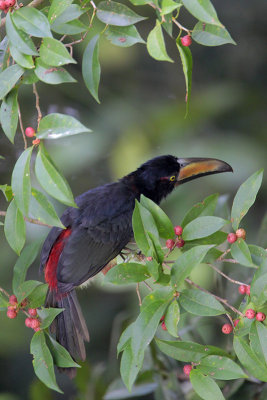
point(21, 127)
point(138, 294)
point(179, 25)
point(37, 104)
point(31, 220)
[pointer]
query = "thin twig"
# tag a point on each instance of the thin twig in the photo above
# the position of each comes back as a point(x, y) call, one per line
point(31, 220)
point(4, 291)
point(76, 41)
point(223, 255)
point(230, 260)
point(148, 286)
point(21, 127)
point(180, 26)
point(226, 276)
point(37, 104)
point(224, 301)
point(138, 294)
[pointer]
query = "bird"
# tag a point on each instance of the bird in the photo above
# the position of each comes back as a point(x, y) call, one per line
point(98, 230)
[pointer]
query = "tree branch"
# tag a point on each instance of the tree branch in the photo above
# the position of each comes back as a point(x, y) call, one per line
point(31, 220)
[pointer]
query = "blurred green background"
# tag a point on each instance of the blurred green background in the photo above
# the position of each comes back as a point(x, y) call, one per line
point(141, 115)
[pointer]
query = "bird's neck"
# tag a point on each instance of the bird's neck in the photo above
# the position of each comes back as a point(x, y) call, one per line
point(137, 187)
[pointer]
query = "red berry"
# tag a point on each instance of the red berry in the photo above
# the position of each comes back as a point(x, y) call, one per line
point(13, 300)
point(170, 243)
point(11, 314)
point(241, 233)
point(236, 322)
point(163, 326)
point(186, 40)
point(10, 3)
point(28, 322)
point(13, 307)
point(227, 328)
point(250, 314)
point(149, 258)
point(30, 132)
point(187, 369)
point(162, 318)
point(2, 5)
point(178, 230)
point(180, 243)
point(260, 316)
point(35, 142)
point(35, 323)
point(32, 312)
point(248, 290)
point(24, 303)
point(37, 329)
point(242, 289)
point(231, 237)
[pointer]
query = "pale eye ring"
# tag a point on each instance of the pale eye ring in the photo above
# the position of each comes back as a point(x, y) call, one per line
point(172, 178)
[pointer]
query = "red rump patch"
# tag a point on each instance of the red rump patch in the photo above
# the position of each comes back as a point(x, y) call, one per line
point(52, 262)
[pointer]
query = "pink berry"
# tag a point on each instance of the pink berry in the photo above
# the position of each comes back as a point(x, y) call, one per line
point(24, 303)
point(29, 131)
point(163, 326)
point(36, 142)
point(11, 314)
point(186, 40)
point(260, 316)
point(13, 300)
point(227, 328)
point(180, 243)
point(187, 369)
point(10, 3)
point(241, 233)
point(236, 322)
point(37, 329)
point(162, 318)
point(2, 5)
point(149, 258)
point(250, 314)
point(28, 322)
point(248, 290)
point(13, 307)
point(170, 243)
point(178, 230)
point(231, 237)
point(32, 312)
point(242, 289)
point(35, 323)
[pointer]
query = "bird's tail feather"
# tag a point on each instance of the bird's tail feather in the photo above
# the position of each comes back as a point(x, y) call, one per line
point(69, 326)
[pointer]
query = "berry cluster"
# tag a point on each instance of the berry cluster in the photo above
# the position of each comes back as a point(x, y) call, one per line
point(13, 309)
point(5, 5)
point(179, 242)
point(239, 234)
point(244, 289)
point(250, 314)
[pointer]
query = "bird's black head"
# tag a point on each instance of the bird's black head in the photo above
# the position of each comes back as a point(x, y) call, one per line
point(158, 177)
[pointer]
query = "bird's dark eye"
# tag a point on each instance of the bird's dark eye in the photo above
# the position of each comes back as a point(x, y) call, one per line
point(172, 178)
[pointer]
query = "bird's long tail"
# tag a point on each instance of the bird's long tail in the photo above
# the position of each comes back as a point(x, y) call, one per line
point(69, 326)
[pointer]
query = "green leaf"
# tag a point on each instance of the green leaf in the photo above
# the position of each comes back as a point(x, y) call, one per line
point(204, 386)
point(258, 289)
point(3, 301)
point(48, 315)
point(258, 340)
point(15, 228)
point(128, 367)
point(70, 28)
point(113, 13)
point(72, 12)
point(202, 10)
point(202, 227)
point(57, 8)
point(125, 338)
point(27, 257)
point(172, 318)
point(200, 303)
point(52, 75)
point(187, 351)
point(211, 35)
point(258, 254)
point(163, 223)
point(43, 362)
point(32, 21)
point(53, 52)
point(241, 253)
point(29, 77)
point(245, 197)
point(155, 248)
point(52, 181)
point(8, 79)
point(25, 289)
point(9, 114)
point(37, 297)
point(168, 6)
point(124, 36)
point(23, 60)
point(7, 191)
point(55, 126)
point(156, 45)
point(61, 356)
point(42, 210)
point(219, 367)
point(125, 273)
point(206, 207)
point(187, 63)
point(143, 222)
point(139, 2)
point(215, 238)
point(185, 264)
point(91, 67)
point(19, 39)
point(21, 181)
point(248, 358)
